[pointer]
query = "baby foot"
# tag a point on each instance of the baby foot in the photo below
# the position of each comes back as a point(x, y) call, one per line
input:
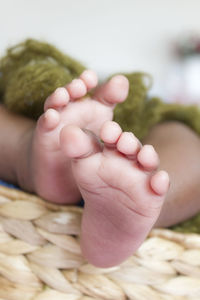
point(123, 193)
point(49, 169)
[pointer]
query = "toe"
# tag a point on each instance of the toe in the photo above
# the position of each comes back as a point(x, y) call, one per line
point(148, 158)
point(110, 132)
point(58, 99)
point(160, 182)
point(76, 89)
point(76, 143)
point(90, 79)
point(128, 144)
point(49, 120)
point(114, 91)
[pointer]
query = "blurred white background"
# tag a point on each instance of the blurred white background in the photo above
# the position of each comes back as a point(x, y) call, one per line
point(107, 35)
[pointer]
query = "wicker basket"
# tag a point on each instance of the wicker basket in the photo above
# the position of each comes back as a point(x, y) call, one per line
point(40, 258)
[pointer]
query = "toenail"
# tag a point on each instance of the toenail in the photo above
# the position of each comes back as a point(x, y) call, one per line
point(77, 82)
point(61, 92)
point(90, 78)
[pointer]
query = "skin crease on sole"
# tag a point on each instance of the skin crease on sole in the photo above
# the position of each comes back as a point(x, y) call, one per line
point(122, 191)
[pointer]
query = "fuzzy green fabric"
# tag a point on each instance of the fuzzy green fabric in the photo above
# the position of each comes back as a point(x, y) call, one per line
point(139, 113)
point(32, 70)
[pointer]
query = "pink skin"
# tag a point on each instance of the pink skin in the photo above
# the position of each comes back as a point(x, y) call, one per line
point(122, 190)
point(123, 194)
point(49, 170)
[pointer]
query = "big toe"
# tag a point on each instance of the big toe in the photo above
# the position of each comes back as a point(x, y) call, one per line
point(78, 143)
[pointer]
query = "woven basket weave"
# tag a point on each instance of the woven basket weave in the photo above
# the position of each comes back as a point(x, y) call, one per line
point(40, 258)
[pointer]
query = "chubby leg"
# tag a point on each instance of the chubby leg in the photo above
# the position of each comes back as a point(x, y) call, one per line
point(122, 190)
point(15, 130)
point(179, 150)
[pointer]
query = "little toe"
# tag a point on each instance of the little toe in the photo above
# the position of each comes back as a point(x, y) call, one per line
point(110, 133)
point(114, 91)
point(160, 182)
point(76, 89)
point(76, 143)
point(90, 79)
point(49, 120)
point(57, 100)
point(128, 144)
point(148, 158)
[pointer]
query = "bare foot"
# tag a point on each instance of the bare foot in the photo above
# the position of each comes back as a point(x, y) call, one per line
point(122, 191)
point(48, 168)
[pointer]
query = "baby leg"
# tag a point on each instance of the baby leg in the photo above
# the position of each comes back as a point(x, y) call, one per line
point(179, 151)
